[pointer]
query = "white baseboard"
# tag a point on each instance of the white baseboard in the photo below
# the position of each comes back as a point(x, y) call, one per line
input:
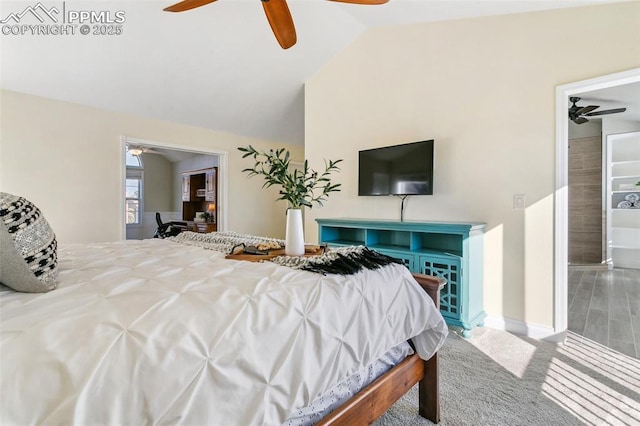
point(535, 331)
point(593, 267)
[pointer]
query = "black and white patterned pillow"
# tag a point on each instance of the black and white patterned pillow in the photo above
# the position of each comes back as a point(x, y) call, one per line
point(29, 260)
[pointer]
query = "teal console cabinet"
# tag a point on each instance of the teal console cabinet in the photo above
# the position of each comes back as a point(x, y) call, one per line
point(451, 250)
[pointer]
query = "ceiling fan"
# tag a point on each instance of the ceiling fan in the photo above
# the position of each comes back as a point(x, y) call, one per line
point(577, 113)
point(277, 13)
point(139, 149)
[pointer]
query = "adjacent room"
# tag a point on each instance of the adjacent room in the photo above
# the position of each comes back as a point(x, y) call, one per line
point(604, 231)
point(312, 212)
point(165, 186)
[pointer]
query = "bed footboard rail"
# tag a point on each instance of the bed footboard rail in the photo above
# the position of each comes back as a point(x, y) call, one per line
point(429, 387)
point(374, 400)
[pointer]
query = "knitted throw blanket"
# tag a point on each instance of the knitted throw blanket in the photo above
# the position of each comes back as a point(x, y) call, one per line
point(223, 242)
point(342, 261)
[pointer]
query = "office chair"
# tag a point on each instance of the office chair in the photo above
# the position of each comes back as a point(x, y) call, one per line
point(169, 229)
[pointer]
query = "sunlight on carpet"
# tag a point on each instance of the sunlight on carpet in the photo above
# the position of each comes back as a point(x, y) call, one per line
point(498, 378)
point(621, 368)
point(587, 395)
point(587, 398)
point(513, 354)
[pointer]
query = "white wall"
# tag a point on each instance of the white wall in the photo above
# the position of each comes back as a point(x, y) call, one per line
point(484, 89)
point(196, 162)
point(158, 183)
point(585, 130)
point(612, 126)
point(68, 159)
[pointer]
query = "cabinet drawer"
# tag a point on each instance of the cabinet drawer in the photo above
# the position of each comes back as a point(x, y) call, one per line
point(205, 227)
point(447, 267)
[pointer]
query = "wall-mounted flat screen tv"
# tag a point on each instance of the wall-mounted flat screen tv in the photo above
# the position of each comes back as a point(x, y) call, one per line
point(405, 169)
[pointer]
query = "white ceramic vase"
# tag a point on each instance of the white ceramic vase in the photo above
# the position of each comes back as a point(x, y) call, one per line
point(294, 239)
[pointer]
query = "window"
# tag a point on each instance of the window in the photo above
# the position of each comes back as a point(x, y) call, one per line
point(133, 160)
point(133, 191)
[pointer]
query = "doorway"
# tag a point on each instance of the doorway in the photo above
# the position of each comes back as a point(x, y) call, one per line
point(159, 188)
point(561, 223)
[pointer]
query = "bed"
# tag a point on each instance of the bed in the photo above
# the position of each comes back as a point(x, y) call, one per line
point(167, 332)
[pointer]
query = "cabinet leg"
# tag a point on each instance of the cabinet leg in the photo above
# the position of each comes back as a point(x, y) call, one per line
point(466, 333)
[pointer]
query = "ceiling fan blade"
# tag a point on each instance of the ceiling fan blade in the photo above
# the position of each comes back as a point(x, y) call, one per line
point(281, 22)
point(187, 5)
point(586, 109)
point(607, 111)
point(580, 120)
point(362, 1)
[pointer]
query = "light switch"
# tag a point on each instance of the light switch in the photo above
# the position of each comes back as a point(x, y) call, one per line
point(519, 202)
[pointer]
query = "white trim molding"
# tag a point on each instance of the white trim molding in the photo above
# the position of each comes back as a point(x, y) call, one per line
point(561, 203)
point(535, 331)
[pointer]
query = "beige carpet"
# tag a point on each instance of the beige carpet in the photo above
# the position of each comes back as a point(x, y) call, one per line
point(499, 378)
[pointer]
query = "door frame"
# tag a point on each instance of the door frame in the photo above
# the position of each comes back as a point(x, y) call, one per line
point(223, 182)
point(561, 199)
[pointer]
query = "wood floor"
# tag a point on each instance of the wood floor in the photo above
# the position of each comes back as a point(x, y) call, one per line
point(604, 306)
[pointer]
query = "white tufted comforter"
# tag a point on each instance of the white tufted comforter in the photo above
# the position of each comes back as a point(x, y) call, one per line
point(155, 332)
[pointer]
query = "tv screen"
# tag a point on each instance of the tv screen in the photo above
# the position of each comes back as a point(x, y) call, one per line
point(397, 170)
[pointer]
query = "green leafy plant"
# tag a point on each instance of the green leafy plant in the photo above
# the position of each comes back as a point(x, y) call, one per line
point(298, 187)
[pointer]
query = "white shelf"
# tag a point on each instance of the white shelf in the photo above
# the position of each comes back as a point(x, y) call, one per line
point(623, 219)
point(625, 258)
point(617, 163)
point(625, 238)
point(623, 225)
point(626, 177)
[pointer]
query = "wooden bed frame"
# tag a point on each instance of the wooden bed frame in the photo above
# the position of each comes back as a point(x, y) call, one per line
point(374, 400)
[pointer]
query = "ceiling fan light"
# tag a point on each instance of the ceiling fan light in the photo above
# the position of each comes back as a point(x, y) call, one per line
point(135, 150)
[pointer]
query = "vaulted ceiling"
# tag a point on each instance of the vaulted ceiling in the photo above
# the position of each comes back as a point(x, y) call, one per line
point(217, 66)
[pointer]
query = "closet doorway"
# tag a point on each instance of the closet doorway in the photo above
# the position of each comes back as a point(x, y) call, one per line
point(601, 300)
